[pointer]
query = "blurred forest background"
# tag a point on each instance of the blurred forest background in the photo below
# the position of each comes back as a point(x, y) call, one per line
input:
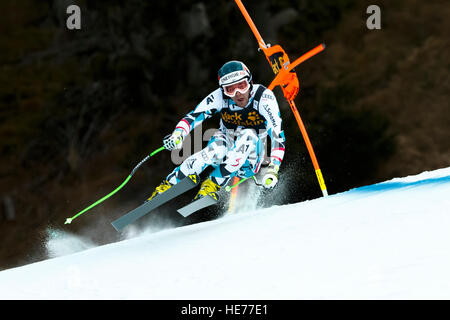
point(80, 108)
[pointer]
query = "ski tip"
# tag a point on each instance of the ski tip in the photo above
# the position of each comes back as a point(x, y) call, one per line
point(68, 221)
point(323, 45)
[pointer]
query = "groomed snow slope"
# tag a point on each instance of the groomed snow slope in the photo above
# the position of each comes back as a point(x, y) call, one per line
point(386, 241)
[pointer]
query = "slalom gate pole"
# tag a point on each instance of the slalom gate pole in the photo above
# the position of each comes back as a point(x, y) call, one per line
point(283, 72)
point(249, 20)
point(69, 220)
point(312, 155)
point(238, 182)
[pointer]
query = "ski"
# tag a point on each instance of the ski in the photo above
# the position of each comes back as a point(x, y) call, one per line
point(181, 187)
point(196, 205)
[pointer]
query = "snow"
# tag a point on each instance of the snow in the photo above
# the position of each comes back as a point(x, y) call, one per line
point(385, 241)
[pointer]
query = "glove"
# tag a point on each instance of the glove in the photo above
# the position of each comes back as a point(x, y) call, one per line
point(173, 141)
point(291, 86)
point(270, 179)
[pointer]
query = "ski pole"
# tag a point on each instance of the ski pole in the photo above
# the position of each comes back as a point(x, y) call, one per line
point(69, 220)
point(229, 188)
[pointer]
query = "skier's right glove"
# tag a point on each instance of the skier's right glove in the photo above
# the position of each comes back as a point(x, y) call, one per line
point(173, 141)
point(270, 179)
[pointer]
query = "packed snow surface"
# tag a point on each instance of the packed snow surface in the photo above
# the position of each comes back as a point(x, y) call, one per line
point(385, 241)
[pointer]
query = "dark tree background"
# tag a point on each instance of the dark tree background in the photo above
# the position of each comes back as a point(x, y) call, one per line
point(80, 108)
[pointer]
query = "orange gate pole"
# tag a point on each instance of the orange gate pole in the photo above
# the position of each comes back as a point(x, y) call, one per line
point(283, 72)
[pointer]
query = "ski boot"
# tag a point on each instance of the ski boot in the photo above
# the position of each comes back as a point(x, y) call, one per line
point(208, 187)
point(163, 187)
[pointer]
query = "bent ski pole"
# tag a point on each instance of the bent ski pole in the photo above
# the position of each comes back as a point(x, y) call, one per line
point(69, 220)
point(229, 188)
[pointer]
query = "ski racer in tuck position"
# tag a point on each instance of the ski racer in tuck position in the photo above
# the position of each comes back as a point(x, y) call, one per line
point(249, 113)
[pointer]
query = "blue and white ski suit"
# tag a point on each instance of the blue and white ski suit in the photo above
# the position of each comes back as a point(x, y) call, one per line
point(237, 148)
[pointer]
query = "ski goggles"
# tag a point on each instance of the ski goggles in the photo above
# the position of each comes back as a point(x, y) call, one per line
point(242, 86)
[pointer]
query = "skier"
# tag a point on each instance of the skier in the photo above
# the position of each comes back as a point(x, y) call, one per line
point(249, 112)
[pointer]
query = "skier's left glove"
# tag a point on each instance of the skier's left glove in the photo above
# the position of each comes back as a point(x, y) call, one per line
point(173, 141)
point(270, 179)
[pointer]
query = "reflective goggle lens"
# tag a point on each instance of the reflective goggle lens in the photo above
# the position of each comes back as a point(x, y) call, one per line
point(232, 89)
